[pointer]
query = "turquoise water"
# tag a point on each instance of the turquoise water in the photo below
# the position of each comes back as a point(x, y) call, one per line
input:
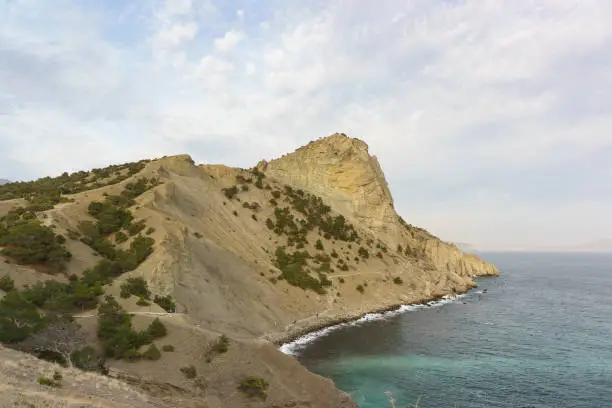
point(539, 336)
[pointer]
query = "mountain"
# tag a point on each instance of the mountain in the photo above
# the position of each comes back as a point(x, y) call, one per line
point(4, 181)
point(233, 262)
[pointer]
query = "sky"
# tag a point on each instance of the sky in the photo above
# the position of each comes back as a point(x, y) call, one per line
point(492, 119)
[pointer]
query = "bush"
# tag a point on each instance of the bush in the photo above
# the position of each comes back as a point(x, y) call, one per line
point(116, 333)
point(319, 245)
point(235, 213)
point(341, 280)
point(157, 329)
point(292, 268)
point(221, 345)
point(150, 230)
point(120, 237)
point(363, 253)
point(166, 303)
point(47, 382)
point(6, 283)
point(360, 289)
point(18, 318)
point(397, 280)
point(168, 348)
point(143, 302)
point(136, 227)
point(135, 286)
point(254, 387)
point(189, 371)
point(230, 192)
point(32, 243)
point(87, 359)
point(152, 353)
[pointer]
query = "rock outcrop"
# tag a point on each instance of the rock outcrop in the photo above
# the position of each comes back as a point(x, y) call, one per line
point(341, 170)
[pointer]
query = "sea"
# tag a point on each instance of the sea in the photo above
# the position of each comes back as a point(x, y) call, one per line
point(537, 336)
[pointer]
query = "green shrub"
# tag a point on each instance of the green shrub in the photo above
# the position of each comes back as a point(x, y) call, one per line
point(363, 253)
point(292, 268)
point(135, 286)
point(235, 213)
point(7, 284)
point(18, 318)
point(189, 372)
point(115, 331)
point(152, 353)
point(254, 387)
point(157, 329)
point(254, 217)
point(143, 302)
point(221, 345)
point(168, 348)
point(397, 280)
point(136, 227)
point(360, 289)
point(47, 382)
point(341, 280)
point(197, 235)
point(120, 237)
point(87, 359)
point(270, 224)
point(166, 303)
point(319, 245)
point(230, 192)
point(32, 243)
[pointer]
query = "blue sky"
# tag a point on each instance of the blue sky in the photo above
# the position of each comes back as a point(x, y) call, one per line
point(491, 119)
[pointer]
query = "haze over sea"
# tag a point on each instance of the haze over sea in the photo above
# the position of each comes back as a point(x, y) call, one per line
point(538, 336)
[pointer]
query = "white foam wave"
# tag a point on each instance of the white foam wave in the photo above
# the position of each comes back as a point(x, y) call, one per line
point(295, 346)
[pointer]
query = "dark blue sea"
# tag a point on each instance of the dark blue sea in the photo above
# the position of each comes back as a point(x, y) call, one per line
point(538, 336)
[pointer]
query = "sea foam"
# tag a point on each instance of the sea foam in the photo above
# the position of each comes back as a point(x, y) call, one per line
point(294, 347)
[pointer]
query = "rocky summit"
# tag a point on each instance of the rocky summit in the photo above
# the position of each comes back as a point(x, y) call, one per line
point(181, 280)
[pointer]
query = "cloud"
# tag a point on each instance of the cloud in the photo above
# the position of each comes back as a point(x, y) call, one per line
point(229, 40)
point(490, 119)
point(175, 35)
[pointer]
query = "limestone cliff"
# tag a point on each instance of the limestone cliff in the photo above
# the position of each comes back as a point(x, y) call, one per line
point(341, 170)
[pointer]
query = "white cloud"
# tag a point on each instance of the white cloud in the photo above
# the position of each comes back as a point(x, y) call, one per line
point(229, 40)
point(175, 35)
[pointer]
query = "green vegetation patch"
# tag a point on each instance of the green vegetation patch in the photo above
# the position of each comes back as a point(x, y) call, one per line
point(254, 387)
point(31, 243)
point(292, 266)
point(46, 192)
point(118, 337)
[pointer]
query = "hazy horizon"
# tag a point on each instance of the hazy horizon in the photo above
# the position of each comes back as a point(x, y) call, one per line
point(491, 120)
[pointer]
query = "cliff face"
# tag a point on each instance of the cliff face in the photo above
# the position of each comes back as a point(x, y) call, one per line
point(341, 170)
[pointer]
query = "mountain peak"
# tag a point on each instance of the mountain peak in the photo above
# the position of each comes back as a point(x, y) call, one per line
point(340, 169)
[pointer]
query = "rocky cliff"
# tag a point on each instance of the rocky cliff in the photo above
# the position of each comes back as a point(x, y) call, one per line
point(258, 255)
point(341, 170)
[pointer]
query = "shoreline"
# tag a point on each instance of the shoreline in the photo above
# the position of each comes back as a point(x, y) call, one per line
point(290, 341)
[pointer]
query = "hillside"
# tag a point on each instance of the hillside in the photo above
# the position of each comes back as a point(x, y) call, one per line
point(4, 181)
point(256, 255)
